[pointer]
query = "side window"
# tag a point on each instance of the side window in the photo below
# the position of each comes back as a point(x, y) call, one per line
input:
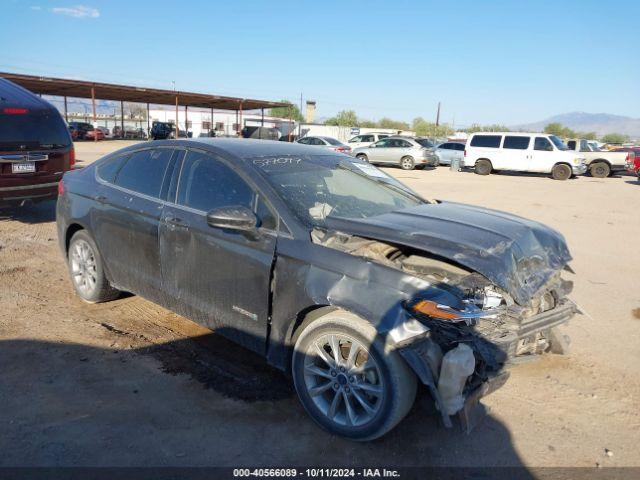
point(144, 171)
point(108, 170)
point(584, 146)
point(367, 138)
point(543, 144)
point(487, 141)
point(206, 183)
point(355, 139)
point(516, 143)
point(404, 144)
point(459, 146)
point(571, 144)
point(383, 143)
point(382, 136)
point(304, 141)
point(267, 218)
point(317, 141)
point(446, 146)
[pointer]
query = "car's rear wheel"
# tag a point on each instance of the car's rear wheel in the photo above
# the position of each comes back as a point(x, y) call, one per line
point(363, 157)
point(483, 167)
point(87, 270)
point(561, 172)
point(348, 380)
point(407, 163)
point(599, 170)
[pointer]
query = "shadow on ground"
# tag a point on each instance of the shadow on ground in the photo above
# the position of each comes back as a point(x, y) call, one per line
point(197, 401)
point(41, 212)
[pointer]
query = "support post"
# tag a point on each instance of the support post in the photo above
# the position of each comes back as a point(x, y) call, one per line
point(262, 119)
point(66, 115)
point(148, 120)
point(240, 124)
point(93, 105)
point(177, 128)
point(122, 118)
point(212, 126)
point(186, 121)
point(236, 121)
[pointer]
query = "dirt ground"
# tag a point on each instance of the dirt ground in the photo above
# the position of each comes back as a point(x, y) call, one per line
point(127, 383)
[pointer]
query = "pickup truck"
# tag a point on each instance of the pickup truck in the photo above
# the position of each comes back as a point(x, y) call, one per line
point(600, 163)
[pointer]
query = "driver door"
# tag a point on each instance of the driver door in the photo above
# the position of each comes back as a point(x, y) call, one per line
point(377, 151)
point(217, 277)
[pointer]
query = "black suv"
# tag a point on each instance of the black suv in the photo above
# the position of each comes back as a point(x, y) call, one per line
point(35, 146)
point(81, 128)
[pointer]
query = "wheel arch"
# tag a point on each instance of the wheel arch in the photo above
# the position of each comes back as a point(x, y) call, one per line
point(72, 228)
point(603, 160)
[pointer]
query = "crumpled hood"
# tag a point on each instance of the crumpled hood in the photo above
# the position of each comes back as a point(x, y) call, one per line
point(517, 254)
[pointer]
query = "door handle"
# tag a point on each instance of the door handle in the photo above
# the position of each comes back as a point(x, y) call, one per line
point(173, 220)
point(100, 198)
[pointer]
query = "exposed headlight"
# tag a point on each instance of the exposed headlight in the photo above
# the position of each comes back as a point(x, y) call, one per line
point(468, 315)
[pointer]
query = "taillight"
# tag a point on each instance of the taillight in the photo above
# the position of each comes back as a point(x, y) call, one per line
point(465, 152)
point(15, 111)
point(60, 188)
point(72, 157)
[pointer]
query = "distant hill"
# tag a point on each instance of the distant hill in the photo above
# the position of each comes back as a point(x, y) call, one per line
point(601, 123)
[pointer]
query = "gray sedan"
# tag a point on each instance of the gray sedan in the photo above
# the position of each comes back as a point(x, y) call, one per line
point(408, 152)
point(325, 142)
point(448, 151)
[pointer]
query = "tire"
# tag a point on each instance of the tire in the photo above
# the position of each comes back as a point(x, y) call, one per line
point(600, 169)
point(407, 163)
point(390, 384)
point(483, 167)
point(363, 157)
point(87, 271)
point(561, 171)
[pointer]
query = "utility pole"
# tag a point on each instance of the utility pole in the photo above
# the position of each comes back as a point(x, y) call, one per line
point(438, 116)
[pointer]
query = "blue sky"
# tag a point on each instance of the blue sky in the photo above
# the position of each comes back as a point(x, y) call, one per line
point(487, 62)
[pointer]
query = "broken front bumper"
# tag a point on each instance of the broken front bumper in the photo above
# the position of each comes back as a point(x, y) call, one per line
point(493, 349)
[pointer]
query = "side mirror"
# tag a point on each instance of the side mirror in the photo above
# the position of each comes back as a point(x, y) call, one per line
point(233, 218)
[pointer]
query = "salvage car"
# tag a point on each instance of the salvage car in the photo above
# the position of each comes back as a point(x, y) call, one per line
point(330, 268)
point(600, 163)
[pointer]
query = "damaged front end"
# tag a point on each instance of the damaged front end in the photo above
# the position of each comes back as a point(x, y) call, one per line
point(462, 330)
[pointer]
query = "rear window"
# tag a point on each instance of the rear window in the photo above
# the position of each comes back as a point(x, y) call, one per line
point(516, 143)
point(34, 129)
point(425, 143)
point(489, 141)
point(332, 141)
point(109, 169)
point(144, 171)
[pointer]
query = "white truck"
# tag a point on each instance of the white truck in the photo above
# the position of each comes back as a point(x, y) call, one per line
point(600, 163)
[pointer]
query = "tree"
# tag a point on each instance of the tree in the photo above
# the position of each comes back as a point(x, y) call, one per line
point(615, 138)
point(559, 130)
point(393, 124)
point(476, 127)
point(588, 135)
point(367, 124)
point(430, 129)
point(290, 111)
point(344, 118)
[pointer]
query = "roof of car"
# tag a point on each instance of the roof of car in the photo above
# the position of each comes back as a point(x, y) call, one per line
point(510, 133)
point(14, 95)
point(250, 148)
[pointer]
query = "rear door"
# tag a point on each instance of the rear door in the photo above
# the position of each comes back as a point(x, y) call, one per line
point(126, 218)
point(219, 278)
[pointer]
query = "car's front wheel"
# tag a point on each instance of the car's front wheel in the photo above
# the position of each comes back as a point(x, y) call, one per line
point(363, 157)
point(87, 270)
point(348, 380)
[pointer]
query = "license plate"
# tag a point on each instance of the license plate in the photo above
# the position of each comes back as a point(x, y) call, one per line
point(26, 167)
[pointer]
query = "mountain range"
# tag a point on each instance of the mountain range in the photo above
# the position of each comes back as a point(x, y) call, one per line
point(600, 123)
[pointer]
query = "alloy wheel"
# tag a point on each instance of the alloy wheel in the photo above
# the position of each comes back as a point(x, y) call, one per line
point(83, 267)
point(343, 380)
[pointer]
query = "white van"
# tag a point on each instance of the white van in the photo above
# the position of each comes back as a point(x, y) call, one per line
point(522, 152)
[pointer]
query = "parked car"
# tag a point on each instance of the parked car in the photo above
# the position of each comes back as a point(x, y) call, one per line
point(73, 132)
point(263, 133)
point(135, 133)
point(407, 152)
point(94, 134)
point(633, 162)
point(522, 152)
point(35, 146)
point(332, 269)
point(448, 151)
point(162, 130)
point(366, 139)
point(105, 131)
point(81, 128)
point(329, 143)
point(600, 163)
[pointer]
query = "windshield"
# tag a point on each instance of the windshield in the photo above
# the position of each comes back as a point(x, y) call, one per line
point(424, 142)
point(317, 187)
point(558, 143)
point(39, 129)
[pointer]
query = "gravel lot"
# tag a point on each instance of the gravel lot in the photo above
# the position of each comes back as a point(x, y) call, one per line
point(128, 383)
